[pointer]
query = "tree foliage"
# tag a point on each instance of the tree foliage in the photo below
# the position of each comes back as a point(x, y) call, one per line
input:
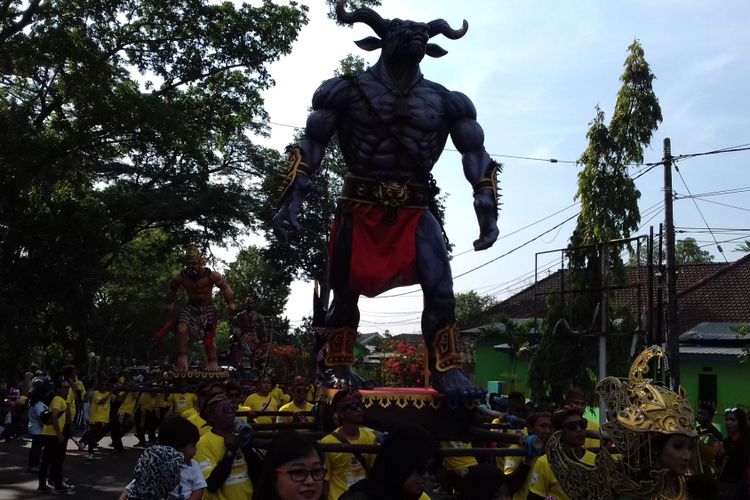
point(470, 306)
point(687, 251)
point(609, 211)
point(119, 118)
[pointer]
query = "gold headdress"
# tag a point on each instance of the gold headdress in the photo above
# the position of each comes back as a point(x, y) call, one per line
point(654, 408)
point(636, 409)
point(193, 255)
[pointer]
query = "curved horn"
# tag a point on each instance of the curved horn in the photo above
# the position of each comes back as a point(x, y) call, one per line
point(441, 27)
point(364, 15)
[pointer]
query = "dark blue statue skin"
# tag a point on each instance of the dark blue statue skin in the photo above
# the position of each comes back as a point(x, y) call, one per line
point(399, 134)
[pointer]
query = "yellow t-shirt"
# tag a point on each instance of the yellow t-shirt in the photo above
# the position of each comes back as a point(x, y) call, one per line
point(71, 400)
point(542, 480)
point(127, 407)
point(292, 406)
point(147, 401)
point(343, 469)
point(162, 401)
point(259, 403)
point(183, 401)
point(592, 442)
point(79, 389)
point(60, 405)
point(280, 396)
point(100, 402)
point(457, 463)
point(238, 485)
point(192, 415)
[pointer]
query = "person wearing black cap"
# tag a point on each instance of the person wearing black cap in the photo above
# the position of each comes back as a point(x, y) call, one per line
point(402, 467)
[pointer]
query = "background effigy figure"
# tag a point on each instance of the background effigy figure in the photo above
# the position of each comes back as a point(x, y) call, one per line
point(199, 318)
point(392, 125)
point(248, 333)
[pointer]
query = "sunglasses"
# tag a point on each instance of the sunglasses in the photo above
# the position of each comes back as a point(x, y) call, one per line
point(573, 426)
point(300, 475)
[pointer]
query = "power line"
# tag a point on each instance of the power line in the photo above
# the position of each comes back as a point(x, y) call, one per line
point(718, 247)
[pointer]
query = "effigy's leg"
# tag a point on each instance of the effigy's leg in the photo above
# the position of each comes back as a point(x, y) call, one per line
point(438, 317)
point(182, 347)
point(341, 336)
point(211, 363)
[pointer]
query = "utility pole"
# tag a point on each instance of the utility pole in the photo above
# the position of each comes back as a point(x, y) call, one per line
point(604, 310)
point(673, 320)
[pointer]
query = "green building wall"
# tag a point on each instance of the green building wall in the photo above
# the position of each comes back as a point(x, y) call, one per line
point(492, 365)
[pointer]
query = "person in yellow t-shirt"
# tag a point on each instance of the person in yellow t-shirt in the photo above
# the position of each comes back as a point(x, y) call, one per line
point(345, 469)
point(262, 401)
point(297, 404)
point(570, 422)
point(577, 399)
point(144, 419)
point(280, 395)
point(54, 441)
point(538, 424)
point(124, 423)
point(218, 454)
point(456, 468)
point(182, 402)
point(101, 400)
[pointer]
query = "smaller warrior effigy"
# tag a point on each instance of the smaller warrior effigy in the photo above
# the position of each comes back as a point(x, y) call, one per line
point(248, 334)
point(199, 318)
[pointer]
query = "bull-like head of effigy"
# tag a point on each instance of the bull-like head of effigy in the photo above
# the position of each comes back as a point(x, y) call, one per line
point(402, 41)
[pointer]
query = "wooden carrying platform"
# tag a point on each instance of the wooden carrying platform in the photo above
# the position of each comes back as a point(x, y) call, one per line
point(386, 408)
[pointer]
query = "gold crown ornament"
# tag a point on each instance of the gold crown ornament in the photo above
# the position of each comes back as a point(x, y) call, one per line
point(654, 408)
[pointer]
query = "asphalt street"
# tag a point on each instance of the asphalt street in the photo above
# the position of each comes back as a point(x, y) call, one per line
point(101, 479)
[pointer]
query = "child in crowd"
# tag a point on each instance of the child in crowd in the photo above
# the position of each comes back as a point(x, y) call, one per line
point(156, 474)
point(177, 432)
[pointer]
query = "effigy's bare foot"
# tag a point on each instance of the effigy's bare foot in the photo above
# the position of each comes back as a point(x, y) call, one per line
point(455, 386)
point(182, 363)
point(212, 366)
point(343, 377)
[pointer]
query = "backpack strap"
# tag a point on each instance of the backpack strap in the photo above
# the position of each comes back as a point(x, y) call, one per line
point(356, 454)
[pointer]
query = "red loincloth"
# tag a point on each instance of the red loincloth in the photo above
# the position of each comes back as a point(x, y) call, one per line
point(383, 256)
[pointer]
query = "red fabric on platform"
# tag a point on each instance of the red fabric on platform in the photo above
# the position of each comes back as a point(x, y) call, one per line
point(384, 256)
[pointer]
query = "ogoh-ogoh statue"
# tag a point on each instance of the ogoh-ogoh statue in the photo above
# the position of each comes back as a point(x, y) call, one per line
point(392, 125)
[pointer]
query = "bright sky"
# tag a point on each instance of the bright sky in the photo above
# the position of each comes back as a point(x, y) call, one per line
point(535, 70)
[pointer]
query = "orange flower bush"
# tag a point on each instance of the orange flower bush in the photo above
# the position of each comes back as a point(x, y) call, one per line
point(404, 368)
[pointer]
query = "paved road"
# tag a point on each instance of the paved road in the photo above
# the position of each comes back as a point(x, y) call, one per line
point(99, 480)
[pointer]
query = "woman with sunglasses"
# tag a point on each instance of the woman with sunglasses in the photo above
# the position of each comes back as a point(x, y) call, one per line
point(292, 470)
point(734, 475)
point(569, 421)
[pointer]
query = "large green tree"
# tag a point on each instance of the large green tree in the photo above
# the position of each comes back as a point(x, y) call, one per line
point(118, 118)
point(609, 211)
point(470, 306)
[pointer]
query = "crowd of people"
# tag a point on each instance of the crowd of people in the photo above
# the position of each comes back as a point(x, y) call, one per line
point(206, 444)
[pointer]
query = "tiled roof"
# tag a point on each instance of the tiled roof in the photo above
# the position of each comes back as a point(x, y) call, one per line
point(721, 297)
point(715, 292)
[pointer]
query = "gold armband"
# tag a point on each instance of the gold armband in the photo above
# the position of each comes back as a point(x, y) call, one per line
point(295, 167)
point(340, 346)
point(445, 349)
point(490, 182)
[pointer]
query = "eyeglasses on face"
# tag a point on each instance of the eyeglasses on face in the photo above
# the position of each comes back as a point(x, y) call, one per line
point(300, 475)
point(573, 426)
point(353, 406)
